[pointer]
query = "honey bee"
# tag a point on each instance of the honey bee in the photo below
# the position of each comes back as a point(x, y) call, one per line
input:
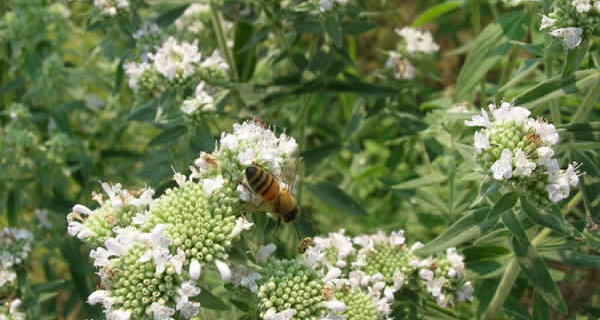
point(267, 185)
point(305, 244)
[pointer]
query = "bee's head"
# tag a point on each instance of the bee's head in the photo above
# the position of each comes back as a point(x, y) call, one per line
point(250, 172)
point(292, 215)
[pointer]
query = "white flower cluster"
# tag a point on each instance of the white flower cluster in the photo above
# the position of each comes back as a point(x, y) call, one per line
point(194, 18)
point(201, 101)
point(150, 252)
point(573, 20)
point(174, 65)
point(520, 149)
point(10, 310)
point(326, 5)
point(94, 226)
point(402, 67)
point(128, 292)
point(385, 265)
point(15, 247)
point(176, 59)
point(111, 7)
point(418, 41)
point(249, 142)
point(415, 43)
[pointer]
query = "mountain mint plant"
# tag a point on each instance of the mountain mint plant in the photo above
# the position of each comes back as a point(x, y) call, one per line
point(520, 151)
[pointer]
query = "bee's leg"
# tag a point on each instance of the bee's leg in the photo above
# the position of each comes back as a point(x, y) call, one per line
point(277, 227)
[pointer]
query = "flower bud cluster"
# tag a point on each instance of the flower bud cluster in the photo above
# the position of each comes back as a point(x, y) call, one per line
point(520, 151)
point(9, 310)
point(15, 247)
point(289, 289)
point(380, 265)
point(573, 21)
point(150, 253)
point(140, 278)
point(416, 44)
point(112, 7)
point(250, 142)
point(95, 226)
point(195, 19)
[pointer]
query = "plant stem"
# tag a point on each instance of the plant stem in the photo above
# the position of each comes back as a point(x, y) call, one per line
point(588, 103)
point(476, 28)
point(506, 284)
point(512, 60)
point(217, 22)
point(513, 269)
point(301, 124)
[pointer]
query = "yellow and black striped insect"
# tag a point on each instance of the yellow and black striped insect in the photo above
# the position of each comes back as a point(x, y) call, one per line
point(267, 186)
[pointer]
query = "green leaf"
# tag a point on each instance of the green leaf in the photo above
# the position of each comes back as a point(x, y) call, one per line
point(165, 19)
point(556, 87)
point(571, 257)
point(488, 49)
point(554, 220)
point(470, 226)
point(319, 153)
point(244, 54)
point(356, 27)
point(504, 204)
point(12, 207)
point(540, 309)
point(528, 67)
point(210, 301)
point(334, 29)
point(119, 76)
point(436, 11)
point(336, 197)
point(466, 228)
point(435, 178)
point(532, 264)
point(573, 59)
point(12, 85)
point(168, 135)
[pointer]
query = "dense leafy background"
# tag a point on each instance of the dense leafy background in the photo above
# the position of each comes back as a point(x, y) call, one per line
point(378, 153)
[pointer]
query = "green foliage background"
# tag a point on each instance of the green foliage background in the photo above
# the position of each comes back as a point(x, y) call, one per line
point(378, 153)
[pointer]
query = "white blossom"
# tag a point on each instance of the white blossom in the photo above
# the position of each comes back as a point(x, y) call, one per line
point(335, 305)
point(418, 41)
point(224, 270)
point(482, 141)
point(265, 252)
point(211, 185)
point(174, 58)
point(241, 224)
point(570, 35)
point(195, 269)
point(523, 166)
point(272, 314)
point(547, 22)
point(134, 71)
point(161, 312)
point(502, 168)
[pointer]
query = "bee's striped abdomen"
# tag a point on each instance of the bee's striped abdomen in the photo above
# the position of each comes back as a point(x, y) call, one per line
point(262, 182)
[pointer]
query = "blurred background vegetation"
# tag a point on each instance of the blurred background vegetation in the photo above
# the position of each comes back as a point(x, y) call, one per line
point(378, 153)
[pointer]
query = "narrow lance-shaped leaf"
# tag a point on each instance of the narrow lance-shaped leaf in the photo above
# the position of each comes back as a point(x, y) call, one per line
point(532, 264)
point(436, 11)
point(336, 197)
point(470, 226)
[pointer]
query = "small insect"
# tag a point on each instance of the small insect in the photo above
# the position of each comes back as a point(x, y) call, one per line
point(267, 185)
point(305, 244)
point(328, 292)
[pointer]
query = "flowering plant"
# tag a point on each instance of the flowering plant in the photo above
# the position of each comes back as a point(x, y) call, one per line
point(286, 160)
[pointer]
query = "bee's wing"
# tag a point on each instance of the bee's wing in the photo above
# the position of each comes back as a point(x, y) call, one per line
point(290, 172)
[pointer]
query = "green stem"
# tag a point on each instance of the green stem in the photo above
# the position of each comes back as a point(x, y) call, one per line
point(513, 269)
point(476, 28)
point(506, 284)
point(301, 124)
point(217, 21)
point(510, 65)
point(588, 103)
